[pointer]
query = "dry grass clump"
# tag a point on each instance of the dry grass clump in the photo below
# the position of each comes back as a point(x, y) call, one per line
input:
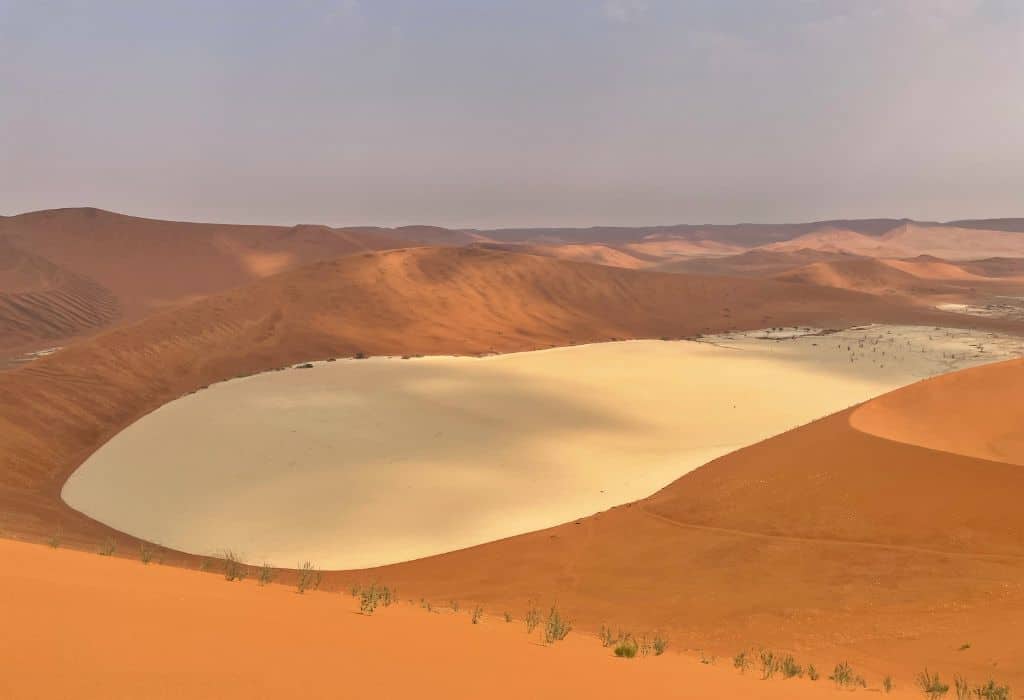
point(108, 547)
point(508, 617)
point(812, 672)
point(659, 645)
point(55, 539)
point(556, 627)
point(887, 684)
point(477, 613)
point(742, 661)
point(146, 553)
point(790, 668)
point(266, 574)
point(308, 577)
point(992, 691)
point(931, 685)
point(370, 598)
point(844, 677)
point(234, 569)
point(627, 647)
point(770, 664)
point(532, 619)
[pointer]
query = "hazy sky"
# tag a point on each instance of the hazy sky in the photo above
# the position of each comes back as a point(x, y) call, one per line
point(514, 112)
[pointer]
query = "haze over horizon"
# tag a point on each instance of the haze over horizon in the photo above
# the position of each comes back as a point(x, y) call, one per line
point(513, 114)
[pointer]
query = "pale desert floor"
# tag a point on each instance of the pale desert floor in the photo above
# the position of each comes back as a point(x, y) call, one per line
point(358, 463)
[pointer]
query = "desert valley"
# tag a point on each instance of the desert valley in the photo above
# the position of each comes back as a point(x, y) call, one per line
point(511, 349)
point(767, 449)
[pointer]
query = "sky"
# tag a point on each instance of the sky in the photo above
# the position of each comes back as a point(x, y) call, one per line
point(493, 113)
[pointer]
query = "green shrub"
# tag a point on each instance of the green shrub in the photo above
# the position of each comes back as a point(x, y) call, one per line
point(626, 648)
point(992, 691)
point(556, 628)
point(790, 668)
point(234, 569)
point(308, 577)
point(532, 619)
point(931, 685)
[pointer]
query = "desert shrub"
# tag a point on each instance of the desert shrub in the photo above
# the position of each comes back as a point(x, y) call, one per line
point(308, 577)
point(660, 644)
point(931, 685)
point(532, 618)
point(844, 677)
point(742, 661)
point(812, 672)
point(556, 627)
point(992, 691)
point(266, 574)
point(478, 613)
point(769, 664)
point(145, 553)
point(108, 547)
point(963, 690)
point(790, 668)
point(370, 598)
point(626, 648)
point(234, 569)
point(887, 684)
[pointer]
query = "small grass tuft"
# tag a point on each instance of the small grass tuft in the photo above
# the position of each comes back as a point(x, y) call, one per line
point(660, 644)
point(931, 685)
point(478, 613)
point(626, 648)
point(146, 553)
point(769, 664)
point(887, 684)
point(964, 647)
point(844, 677)
point(108, 547)
point(992, 691)
point(606, 636)
point(234, 569)
point(56, 537)
point(308, 577)
point(266, 574)
point(790, 668)
point(962, 688)
point(455, 606)
point(742, 661)
point(532, 619)
point(812, 672)
point(508, 617)
point(556, 627)
point(370, 598)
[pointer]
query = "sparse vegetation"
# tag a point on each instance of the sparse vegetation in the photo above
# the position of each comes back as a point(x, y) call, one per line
point(742, 661)
point(532, 618)
point(887, 684)
point(992, 691)
point(556, 628)
point(707, 660)
point(844, 677)
point(308, 577)
point(964, 647)
point(370, 598)
point(626, 648)
point(606, 636)
point(508, 617)
point(769, 664)
point(478, 613)
point(812, 672)
point(931, 685)
point(790, 668)
point(145, 553)
point(234, 569)
point(963, 690)
point(108, 547)
point(660, 644)
point(266, 574)
point(56, 537)
point(455, 606)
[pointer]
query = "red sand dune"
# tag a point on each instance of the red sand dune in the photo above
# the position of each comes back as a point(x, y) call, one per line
point(125, 267)
point(824, 541)
point(861, 274)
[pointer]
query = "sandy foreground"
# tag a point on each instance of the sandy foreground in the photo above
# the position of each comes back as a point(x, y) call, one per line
point(101, 627)
point(358, 463)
